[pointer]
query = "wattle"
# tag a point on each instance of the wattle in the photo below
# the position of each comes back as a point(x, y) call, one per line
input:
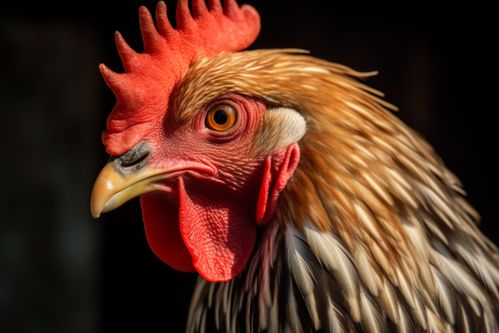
point(207, 231)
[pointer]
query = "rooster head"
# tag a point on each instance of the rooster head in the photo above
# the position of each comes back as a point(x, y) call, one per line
point(207, 158)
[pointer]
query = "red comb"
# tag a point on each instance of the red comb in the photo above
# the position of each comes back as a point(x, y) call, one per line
point(143, 91)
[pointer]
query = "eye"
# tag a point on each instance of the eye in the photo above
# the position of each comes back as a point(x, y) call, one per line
point(221, 117)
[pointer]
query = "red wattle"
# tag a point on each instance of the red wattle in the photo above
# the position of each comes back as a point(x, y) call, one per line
point(161, 225)
point(208, 228)
point(218, 230)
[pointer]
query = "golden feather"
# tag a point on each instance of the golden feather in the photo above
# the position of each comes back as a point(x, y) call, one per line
point(371, 187)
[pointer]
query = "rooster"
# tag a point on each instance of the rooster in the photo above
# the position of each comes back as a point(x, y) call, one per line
point(288, 185)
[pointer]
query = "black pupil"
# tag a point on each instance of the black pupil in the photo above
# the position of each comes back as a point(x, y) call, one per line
point(220, 117)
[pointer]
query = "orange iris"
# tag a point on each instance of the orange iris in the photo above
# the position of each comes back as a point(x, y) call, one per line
point(221, 117)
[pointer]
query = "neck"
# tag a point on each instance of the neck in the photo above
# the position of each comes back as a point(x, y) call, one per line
point(388, 246)
point(305, 279)
point(286, 285)
point(372, 231)
point(249, 302)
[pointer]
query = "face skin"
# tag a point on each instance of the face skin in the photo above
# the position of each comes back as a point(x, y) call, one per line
point(194, 149)
point(204, 187)
point(226, 152)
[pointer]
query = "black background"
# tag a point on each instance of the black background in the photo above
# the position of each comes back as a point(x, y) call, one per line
point(62, 272)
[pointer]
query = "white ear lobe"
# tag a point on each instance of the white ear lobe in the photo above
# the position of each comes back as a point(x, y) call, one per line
point(293, 122)
point(280, 128)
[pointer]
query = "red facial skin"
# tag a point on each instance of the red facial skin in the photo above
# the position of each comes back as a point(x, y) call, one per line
point(207, 218)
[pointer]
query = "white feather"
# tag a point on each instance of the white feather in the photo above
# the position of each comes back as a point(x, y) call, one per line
point(366, 271)
point(371, 318)
point(490, 322)
point(439, 206)
point(444, 295)
point(433, 228)
point(434, 323)
point(388, 300)
point(297, 264)
point(418, 238)
point(456, 274)
point(301, 272)
point(403, 323)
point(336, 259)
point(312, 309)
point(466, 324)
point(479, 266)
point(334, 256)
point(274, 313)
point(334, 320)
point(292, 312)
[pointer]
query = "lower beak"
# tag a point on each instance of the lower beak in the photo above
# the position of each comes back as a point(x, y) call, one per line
point(113, 187)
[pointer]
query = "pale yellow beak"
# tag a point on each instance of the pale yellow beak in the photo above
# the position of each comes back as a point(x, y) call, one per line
point(113, 187)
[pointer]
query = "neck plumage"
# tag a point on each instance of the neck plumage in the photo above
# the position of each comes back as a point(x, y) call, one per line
point(303, 279)
point(420, 264)
point(372, 232)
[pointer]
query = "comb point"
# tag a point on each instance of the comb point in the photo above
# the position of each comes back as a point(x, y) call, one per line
point(162, 21)
point(184, 17)
point(148, 29)
point(126, 53)
point(198, 8)
point(215, 6)
point(231, 9)
point(102, 67)
point(104, 70)
point(108, 75)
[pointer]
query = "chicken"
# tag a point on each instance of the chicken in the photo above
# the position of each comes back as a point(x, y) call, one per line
point(288, 185)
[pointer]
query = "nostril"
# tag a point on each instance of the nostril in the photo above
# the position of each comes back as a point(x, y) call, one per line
point(135, 157)
point(133, 161)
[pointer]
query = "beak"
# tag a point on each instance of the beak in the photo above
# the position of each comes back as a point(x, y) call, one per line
point(114, 187)
point(131, 175)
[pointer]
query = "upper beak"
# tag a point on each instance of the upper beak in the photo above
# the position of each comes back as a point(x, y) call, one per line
point(131, 175)
point(114, 187)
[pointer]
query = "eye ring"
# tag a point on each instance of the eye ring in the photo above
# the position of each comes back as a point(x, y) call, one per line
point(221, 117)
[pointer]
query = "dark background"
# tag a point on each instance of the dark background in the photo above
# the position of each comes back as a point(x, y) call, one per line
point(60, 271)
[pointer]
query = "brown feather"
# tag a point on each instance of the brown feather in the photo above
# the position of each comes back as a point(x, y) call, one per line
point(372, 183)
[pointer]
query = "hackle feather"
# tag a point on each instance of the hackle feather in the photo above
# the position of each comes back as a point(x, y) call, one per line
point(372, 233)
